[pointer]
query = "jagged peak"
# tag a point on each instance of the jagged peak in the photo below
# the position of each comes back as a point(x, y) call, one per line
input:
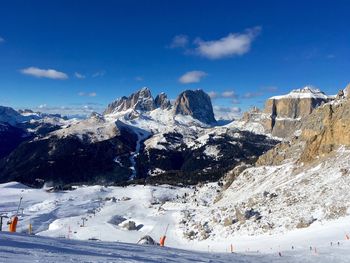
point(195, 103)
point(139, 100)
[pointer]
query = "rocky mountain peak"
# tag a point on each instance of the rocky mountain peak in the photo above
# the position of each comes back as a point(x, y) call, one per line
point(162, 101)
point(9, 115)
point(195, 103)
point(282, 114)
point(346, 91)
point(141, 100)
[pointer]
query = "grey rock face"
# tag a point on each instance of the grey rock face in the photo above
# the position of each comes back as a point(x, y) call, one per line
point(140, 100)
point(283, 115)
point(162, 101)
point(195, 103)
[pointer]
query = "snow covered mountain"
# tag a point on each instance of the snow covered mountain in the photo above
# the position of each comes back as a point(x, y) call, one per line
point(246, 189)
point(23, 125)
point(282, 115)
point(140, 138)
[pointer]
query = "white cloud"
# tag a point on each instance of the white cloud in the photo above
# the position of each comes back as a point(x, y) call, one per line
point(42, 106)
point(213, 94)
point(192, 77)
point(100, 73)
point(79, 75)
point(2, 40)
point(87, 94)
point(78, 109)
point(231, 45)
point(139, 78)
point(179, 41)
point(250, 95)
point(227, 113)
point(270, 88)
point(229, 94)
point(44, 73)
point(236, 101)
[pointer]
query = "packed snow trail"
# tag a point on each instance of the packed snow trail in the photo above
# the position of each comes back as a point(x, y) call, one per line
point(152, 208)
point(140, 137)
point(24, 248)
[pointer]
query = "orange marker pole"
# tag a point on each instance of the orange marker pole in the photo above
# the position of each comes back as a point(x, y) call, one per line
point(162, 241)
point(13, 224)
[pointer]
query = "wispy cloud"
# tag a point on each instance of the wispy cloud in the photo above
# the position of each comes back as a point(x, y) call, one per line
point(2, 40)
point(234, 44)
point(231, 45)
point(44, 73)
point(226, 113)
point(99, 73)
point(270, 88)
point(260, 92)
point(79, 109)
point(229, 94)
point(42, 106)
point(87, 94)
point(139, 78)
point(192, 77)
point(250, 95)
point(179, 41)
point(79, 75)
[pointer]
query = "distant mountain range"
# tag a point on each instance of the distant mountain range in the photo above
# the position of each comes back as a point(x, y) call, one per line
point(145, 139)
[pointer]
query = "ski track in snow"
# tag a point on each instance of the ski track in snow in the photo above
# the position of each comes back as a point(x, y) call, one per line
point(152, 208)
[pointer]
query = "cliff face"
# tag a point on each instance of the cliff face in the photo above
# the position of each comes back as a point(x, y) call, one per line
point(327, 129)
point(282, 114)
point(195, 103)
point(324, 130)
point(162, 101)
point(286, 111)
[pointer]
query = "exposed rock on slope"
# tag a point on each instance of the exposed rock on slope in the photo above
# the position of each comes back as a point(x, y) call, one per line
point(287, 110)
point(140, 100)
point(293, 185)
point(282, 114)
point(321, 132)
point(139, 138)
point(195, 103)
point(162, 101)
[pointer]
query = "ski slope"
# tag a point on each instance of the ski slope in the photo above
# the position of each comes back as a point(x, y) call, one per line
point(61, 235)
point(24, 248)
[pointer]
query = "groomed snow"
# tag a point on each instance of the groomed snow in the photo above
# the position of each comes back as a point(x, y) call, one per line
point(59, 215)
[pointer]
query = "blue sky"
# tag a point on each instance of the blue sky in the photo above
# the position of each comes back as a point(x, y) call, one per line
point(241, 52)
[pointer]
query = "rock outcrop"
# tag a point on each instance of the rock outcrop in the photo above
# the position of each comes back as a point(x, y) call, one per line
point(324, 130)
point(140, 100)
point(287, 110)
point(162, 101)
point(282, 115)
point(195, 103)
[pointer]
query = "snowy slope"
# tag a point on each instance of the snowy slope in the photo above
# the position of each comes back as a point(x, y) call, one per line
point(24, 248)
point(152, 208)
point(304, 93)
